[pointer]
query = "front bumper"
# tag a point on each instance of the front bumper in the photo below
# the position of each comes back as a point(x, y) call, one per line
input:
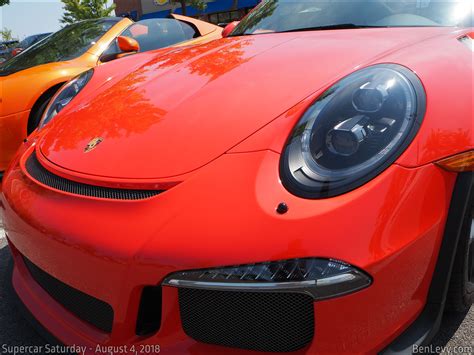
point(224, 214)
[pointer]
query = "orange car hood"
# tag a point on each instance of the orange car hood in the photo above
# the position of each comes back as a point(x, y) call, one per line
point(179, 111)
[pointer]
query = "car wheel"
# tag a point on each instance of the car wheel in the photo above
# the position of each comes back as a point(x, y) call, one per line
point(35, 118)
point(461, 289)
point(39, 107)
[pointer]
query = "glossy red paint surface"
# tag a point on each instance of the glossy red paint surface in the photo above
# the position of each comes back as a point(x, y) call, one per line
point(211, 121)
point(20, 91)
point(399, 228)
point(181, 111)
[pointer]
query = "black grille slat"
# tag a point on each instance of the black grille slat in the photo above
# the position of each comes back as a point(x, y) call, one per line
point(42, 175)
point(261, 321)
point(90, 309)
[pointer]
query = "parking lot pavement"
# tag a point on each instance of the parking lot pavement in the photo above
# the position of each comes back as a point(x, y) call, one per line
point(456, 331)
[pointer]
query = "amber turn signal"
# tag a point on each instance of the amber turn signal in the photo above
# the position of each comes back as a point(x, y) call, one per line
point(458, 163)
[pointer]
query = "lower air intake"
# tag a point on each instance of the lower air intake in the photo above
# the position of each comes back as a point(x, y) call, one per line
point(88, 308)
point(261, 321)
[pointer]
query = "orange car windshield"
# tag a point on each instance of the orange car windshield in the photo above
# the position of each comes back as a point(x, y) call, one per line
point(66, 44)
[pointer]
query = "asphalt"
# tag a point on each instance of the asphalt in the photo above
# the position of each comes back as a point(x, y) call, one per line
point(455, 337)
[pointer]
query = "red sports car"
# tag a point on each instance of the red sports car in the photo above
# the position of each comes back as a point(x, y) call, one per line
point(303, 185)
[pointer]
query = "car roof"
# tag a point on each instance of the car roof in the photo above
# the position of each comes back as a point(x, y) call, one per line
point(110, 18)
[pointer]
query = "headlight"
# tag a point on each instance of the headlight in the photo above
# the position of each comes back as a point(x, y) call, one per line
point(353, 132)
point(65, 95)
point(320, 278)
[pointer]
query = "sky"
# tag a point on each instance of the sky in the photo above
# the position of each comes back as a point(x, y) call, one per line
point(26, 18)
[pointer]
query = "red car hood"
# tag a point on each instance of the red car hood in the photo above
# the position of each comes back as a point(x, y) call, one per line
point(179, 111)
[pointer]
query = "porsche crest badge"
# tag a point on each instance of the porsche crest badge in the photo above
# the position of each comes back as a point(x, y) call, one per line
point(93, 144)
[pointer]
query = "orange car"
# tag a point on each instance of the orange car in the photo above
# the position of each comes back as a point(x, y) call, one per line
point(29, 80)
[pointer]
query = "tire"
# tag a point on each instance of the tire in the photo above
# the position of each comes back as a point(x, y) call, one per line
point(35, 117)
point(461, 288)
point(40, 106)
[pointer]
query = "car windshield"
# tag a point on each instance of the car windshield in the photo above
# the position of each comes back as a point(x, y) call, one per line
point(298, 15)
point(66, 44)
point(27, 42)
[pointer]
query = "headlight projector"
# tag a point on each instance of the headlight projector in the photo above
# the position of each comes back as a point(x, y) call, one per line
point(353, 131)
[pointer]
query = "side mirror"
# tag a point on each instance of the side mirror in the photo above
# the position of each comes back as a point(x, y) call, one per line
point(127, 44)
point(229, 28)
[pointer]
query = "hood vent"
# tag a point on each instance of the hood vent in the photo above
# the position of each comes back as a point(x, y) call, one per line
point(45, 177)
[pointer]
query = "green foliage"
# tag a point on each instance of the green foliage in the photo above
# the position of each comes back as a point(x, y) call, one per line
point(78, 10)
point(6, 34)
point(4, 2)
point(256, 16)
point(199, 4)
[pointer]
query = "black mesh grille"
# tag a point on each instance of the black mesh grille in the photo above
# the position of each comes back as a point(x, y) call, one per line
point(88, 308)
point(262, 321)
point(37, 171)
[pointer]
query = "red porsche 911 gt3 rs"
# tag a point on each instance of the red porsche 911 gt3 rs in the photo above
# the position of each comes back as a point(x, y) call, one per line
point(303, 185)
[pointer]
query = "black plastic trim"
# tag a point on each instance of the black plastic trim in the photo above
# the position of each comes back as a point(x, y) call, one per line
point(38, 327)
point(2, 173)
point(45, 177)
point(427, 325)
point(25, 312)
point(149, 312)
point(85, 307)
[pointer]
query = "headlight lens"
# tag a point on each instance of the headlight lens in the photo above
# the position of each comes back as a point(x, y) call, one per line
point(65, 95)
point(320, 278)
point(353, 132)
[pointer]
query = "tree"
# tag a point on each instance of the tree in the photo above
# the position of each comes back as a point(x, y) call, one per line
point(199, 4)
point(78, 10)
point(262, 11)
point(4, 2)
point(6, 34)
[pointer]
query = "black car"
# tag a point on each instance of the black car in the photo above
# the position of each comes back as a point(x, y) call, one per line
point(6, 48)
point(28, 42)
